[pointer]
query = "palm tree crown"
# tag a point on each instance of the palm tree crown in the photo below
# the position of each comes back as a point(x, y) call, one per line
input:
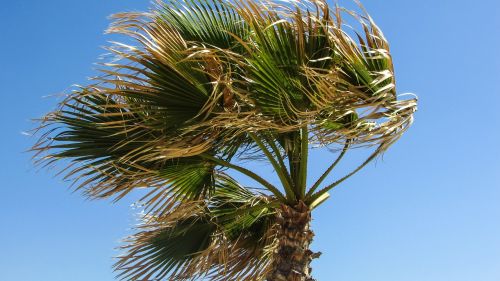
point(210, 82)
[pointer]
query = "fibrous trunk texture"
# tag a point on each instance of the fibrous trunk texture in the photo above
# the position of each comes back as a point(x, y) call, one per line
point(292, 258)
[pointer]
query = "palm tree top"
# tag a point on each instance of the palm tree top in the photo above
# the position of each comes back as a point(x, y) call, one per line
point(205, 84)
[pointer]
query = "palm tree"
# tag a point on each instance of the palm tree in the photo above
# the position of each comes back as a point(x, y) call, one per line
point(212, 84)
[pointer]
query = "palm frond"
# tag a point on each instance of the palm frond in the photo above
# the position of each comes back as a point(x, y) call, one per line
point(230, 236)
point(210, 22)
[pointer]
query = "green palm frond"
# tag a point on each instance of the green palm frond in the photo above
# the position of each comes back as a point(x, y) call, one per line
point(237, 209)
point(165, 244)
point(211, 22)
point(119, 151)
point(230, 236)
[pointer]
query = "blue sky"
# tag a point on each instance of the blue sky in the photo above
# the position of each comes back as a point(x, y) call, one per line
point(429, 210)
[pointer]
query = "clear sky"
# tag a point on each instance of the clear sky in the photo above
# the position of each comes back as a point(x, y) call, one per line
point(429, 210)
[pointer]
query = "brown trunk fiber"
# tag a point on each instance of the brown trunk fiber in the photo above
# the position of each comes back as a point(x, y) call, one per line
point(292, 257)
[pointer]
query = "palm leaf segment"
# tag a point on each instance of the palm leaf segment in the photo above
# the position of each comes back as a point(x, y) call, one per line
point(210, 81)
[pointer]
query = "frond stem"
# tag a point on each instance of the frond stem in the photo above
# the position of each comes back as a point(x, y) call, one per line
point(329, 187)
point(280, 159)
point(279, 170)
point(275, 191)
point(328, 171)
point(304, 151)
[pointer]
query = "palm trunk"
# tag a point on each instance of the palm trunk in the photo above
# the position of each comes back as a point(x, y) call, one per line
point(293, 257)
